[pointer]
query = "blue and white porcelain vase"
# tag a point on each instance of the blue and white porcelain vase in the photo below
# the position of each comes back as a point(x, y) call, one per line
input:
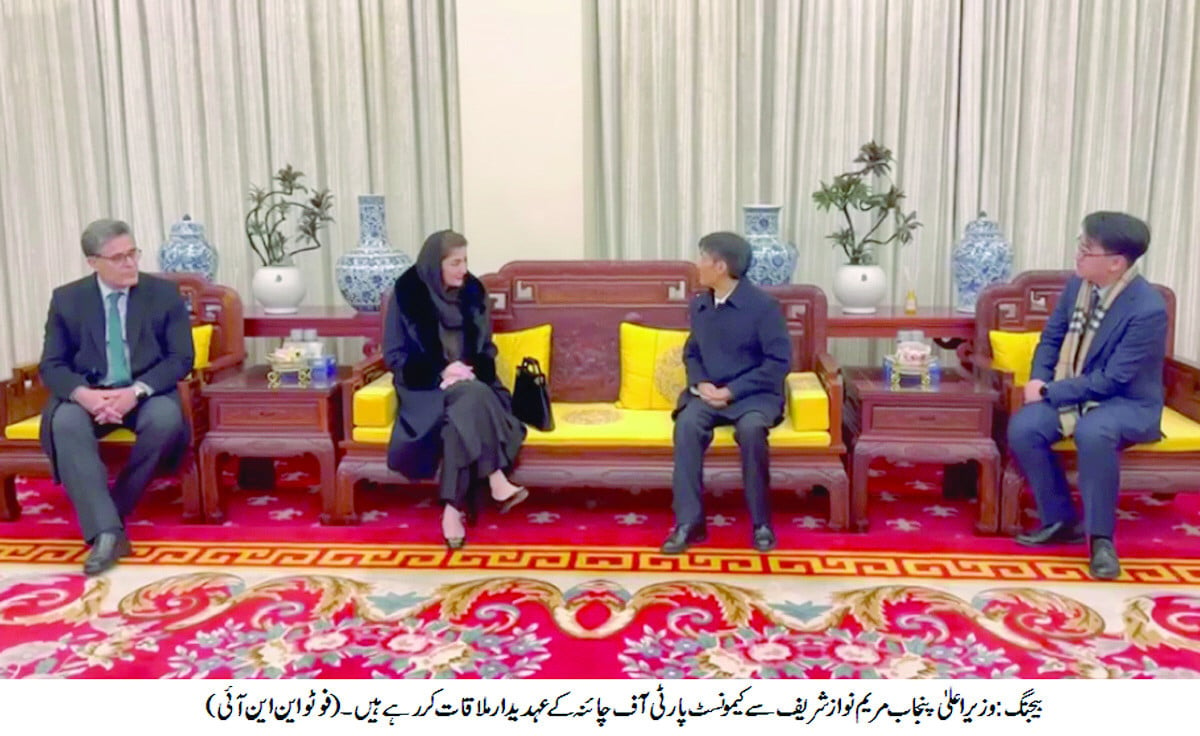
point(772, 261)
point(981, 258)
point(366, 272)
point(186, 251)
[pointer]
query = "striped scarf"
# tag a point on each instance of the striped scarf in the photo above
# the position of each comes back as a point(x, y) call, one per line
point(1078, 341)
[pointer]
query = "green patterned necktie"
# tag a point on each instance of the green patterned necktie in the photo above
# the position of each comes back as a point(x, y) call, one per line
point(118, 365)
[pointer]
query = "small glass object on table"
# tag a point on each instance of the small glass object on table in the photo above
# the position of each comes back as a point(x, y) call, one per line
point(913, 359)
point(288, 366)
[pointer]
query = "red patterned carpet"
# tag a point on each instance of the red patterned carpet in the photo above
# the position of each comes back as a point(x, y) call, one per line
point(217, 625)
point(572, 586)
point(915, 533)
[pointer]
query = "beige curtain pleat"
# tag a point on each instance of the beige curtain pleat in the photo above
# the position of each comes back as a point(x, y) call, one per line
point(145, 110)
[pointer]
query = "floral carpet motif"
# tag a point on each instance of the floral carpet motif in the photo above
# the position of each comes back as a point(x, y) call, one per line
point(908, 512)
point(218, 625)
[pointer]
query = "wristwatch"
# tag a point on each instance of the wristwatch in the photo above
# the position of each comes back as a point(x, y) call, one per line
point(1043, 390)
point(140, 391)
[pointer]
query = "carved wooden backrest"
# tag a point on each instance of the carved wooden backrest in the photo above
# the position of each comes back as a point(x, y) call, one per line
point(1025, 304)
point(586, 301)
point(807, 311)
point(217, 305)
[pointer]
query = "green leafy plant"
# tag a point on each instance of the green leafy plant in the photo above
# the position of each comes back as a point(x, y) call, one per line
point(849, 193)
point(270, 209)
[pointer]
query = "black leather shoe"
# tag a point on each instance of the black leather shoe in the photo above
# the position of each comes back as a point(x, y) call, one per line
point(682, 536)
point(107, 548)
point(1059, 532)
point(764, 538)
point(1104, 564)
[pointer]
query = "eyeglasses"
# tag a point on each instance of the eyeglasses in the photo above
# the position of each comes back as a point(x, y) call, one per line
point(1082, 251)
point(129, 256)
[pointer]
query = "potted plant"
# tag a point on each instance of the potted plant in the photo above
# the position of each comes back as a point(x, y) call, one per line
point(860, 284)
point(277, 284)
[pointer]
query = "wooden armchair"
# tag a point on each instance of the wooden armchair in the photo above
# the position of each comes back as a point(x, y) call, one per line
point(22, 398)
point(1167, 467)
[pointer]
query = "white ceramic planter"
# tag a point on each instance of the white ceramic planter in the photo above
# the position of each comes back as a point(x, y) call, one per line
point(279, 289)
point(859, 289)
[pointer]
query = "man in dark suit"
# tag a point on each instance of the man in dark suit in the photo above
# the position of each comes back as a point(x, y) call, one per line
point(1097, 377)
point(116, 345)
point(737, 358)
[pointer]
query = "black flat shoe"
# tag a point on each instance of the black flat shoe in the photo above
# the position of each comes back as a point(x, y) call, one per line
point(507, 504)
point(107, 548)
point(764, 538)
point(682, 536)
point(1104, 564)
point(459, 541)
point(1057, 533)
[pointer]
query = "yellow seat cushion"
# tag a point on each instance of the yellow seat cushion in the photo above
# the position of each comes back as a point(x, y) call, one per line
point(514, 347)
point(202, 344)
point(1013, 352)
point(652, 370)
point(606, 425)
point(27, 429)
point(807, 403)
point(1180, 434)
point(375, 403)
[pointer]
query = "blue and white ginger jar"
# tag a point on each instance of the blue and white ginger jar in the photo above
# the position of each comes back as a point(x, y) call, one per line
point(981, 258)
point(772, 261)
point(366, 272)
point(186, 251)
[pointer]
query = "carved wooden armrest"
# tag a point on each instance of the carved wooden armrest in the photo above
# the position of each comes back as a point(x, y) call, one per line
point(830, 374)
point(1181, 380)
point(22, 396)
point(189, 399)
point(1012, 396)
point(365, 371)
point(222, 367)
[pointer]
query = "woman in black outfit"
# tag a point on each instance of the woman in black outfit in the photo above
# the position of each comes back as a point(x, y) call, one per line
point(438, 344)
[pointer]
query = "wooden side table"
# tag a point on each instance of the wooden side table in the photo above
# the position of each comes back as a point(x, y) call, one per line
point(249, 420)
point(949, 423)
point(340, 321)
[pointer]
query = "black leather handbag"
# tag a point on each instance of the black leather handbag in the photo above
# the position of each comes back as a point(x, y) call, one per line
point(531, 396)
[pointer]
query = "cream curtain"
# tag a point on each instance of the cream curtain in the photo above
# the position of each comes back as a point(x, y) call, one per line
point(146, 110)
point(1034, 111)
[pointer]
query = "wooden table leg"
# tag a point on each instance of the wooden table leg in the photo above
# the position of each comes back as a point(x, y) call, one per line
point(989, 476)
point(859, 477)
point(210, 484)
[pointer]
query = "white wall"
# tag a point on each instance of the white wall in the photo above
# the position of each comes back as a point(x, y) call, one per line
point(520, 74)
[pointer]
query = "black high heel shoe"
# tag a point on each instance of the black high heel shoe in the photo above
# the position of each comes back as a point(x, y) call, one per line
point(519, 496)
point(454, 542)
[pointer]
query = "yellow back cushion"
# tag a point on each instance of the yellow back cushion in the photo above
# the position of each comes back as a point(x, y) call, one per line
point(652, 370)
point(513, 347)
point(1013, 352)
point(202, 343)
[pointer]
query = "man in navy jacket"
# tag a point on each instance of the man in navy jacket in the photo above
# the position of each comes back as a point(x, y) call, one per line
point(1097, 377)
point(737, 358)
point(116, 344)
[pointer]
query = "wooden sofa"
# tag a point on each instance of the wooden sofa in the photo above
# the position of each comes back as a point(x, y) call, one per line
point(585, 302)
point(1170, 466)
point(23, 396)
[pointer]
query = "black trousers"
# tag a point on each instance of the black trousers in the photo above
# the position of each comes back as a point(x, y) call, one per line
point(479, 437)
point(693, 434)
point(161, 433)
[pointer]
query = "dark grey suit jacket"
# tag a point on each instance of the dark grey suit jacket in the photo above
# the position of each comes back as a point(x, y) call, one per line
point(74, 352)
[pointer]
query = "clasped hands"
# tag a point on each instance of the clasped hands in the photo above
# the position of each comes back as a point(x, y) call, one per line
point(1033, 391)
point(107, 405)
point(455, 372)
point(717, 398)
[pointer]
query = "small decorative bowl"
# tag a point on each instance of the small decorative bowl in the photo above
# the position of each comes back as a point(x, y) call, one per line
point(298, 372)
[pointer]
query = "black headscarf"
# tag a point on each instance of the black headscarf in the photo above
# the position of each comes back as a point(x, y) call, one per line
point(429, 269)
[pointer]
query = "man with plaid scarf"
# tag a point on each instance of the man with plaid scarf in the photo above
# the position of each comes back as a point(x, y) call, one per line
point(1097, 377)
